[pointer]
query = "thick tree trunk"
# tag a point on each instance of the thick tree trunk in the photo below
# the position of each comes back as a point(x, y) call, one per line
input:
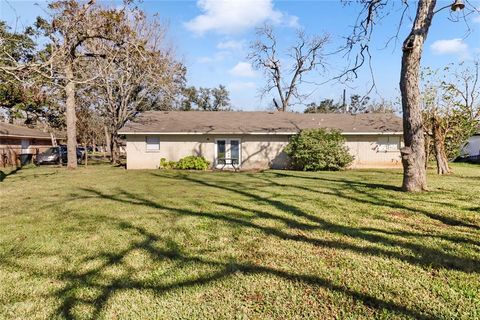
point(439, 147)
point(71, 118)
point(413, 154)
point(115, 149)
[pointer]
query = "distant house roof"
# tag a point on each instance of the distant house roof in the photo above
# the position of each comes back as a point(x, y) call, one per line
point(225, 122)
point(10, 130)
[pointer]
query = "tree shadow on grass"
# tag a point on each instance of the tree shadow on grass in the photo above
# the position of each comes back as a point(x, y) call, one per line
point(421, 255)
point(78, 280)
point(363, 193)
point(341, 181)
point(4, 175)
point(374, 242)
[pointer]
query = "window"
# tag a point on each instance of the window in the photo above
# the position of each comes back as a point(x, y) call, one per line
point(25, 144)
point(221, 151)
point(153, 144)
point(388, 144)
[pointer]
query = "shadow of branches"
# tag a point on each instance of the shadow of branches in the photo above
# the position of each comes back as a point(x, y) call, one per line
point(296, 224)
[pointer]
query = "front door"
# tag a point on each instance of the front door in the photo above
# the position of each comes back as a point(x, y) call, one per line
point(228, 154)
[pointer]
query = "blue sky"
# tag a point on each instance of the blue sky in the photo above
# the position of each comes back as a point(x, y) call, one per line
point(212, 38)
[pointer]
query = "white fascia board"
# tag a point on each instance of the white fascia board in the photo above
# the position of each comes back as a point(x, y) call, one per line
point(253, 133)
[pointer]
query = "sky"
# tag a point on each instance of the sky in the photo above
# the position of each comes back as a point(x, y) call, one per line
point(212, 38)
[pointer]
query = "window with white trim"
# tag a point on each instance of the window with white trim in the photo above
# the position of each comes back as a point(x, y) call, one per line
point(388, 144)
point(153, 144)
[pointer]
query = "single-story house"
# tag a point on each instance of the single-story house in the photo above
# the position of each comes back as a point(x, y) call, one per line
point(16, 140)
point(255, 140)
point(472, 147)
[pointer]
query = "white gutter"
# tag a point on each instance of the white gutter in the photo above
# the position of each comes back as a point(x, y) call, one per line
point(252, 133)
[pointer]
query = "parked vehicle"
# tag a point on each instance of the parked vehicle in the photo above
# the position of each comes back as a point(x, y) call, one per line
point(56, 155)
point(82, 150)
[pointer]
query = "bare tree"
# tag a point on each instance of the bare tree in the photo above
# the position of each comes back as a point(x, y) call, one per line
point(141, 74)
point(413, 153)
point(307, 55)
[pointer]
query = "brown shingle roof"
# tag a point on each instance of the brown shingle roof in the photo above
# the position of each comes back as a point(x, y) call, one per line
point(10, 130)
point(259, 122)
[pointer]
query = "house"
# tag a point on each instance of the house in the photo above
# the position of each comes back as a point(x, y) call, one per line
point(255, 140)
point(472, 147)
point(19, 140)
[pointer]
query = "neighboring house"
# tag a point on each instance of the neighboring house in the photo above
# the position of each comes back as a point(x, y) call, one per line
point(18, 140)
point(472, 147)
point(255, 140)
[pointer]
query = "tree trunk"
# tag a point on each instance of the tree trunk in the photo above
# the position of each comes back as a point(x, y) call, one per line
point(86, 154)
point(439, 147)
point(114, 149)
point(107, 142)
point(71, 118)
point(428, 143)
point(413, 154)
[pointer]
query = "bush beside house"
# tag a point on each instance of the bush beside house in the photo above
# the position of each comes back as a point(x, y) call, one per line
point(318, 149)
point(187, 163)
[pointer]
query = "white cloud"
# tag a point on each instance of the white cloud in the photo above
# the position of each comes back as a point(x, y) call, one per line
point(242, 69)
point(217, 57)
point(451, 46)
point(292, 21)
point(231, 45)
point(241, 86)
point(235, 16)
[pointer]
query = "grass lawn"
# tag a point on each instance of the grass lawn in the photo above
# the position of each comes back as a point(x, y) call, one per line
point(106, 243)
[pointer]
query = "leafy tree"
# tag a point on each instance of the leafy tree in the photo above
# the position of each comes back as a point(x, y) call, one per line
point(70, 27)
point(139, 74)
point(23, 95)
point(189, 98)
point(450, 110)
point(318, 149)
point(358, 104)
point(206, 99)
point(325, 106)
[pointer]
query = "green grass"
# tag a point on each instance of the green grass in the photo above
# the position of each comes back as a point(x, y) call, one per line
point(105, 243)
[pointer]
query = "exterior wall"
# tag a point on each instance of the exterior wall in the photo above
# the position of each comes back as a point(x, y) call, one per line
point(257, 151)
point(366, 151)
point(11, 148)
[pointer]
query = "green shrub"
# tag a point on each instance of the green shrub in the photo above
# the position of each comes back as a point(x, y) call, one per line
point(164, 164)
point(192, 163)
point(318, 149)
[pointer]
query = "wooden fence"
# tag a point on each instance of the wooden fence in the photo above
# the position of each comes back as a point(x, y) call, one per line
point(11, 156)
